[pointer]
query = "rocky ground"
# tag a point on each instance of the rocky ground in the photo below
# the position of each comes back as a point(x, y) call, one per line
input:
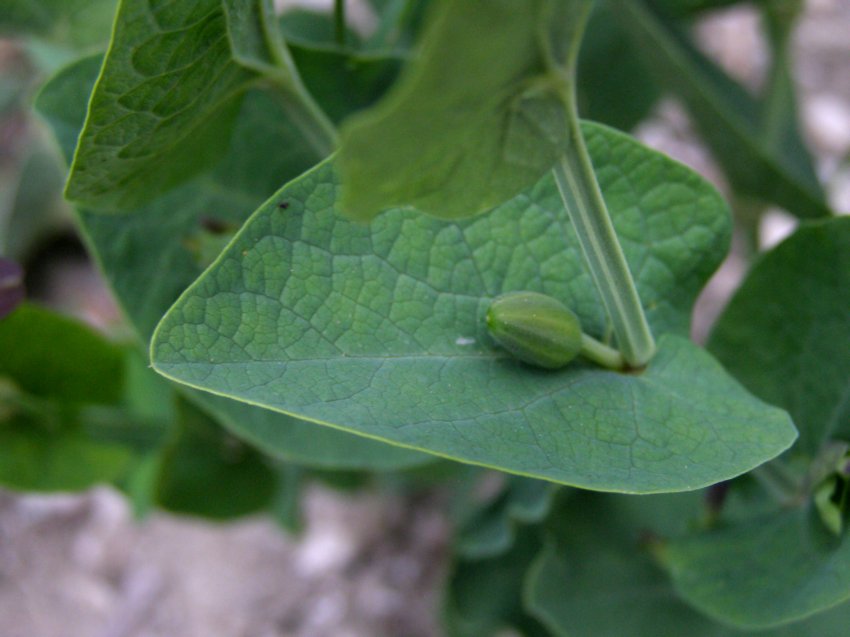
point(79, 566)
point(366, 565)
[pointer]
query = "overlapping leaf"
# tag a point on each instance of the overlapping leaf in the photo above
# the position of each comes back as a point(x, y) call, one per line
point(43, 352)
point(483, 597)
point(42, 388)
point(147, 258)
point(206, 472)
point(786, 335)
point(596, 576)
point(75, 23)
point(379, 330)
point(478, 116)
point(765, 572)
point(168, 95)
point(491, 529)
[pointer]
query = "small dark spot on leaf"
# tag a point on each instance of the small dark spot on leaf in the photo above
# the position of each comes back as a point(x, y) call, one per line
point(283, 205)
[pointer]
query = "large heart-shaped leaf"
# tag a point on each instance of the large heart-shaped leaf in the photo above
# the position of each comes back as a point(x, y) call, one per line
point(168, 94)
point(478, 116)
point(786, 335)
point(135, 250)
point(379, 330)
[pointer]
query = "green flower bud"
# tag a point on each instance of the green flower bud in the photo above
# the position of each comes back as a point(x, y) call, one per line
point(535, 328)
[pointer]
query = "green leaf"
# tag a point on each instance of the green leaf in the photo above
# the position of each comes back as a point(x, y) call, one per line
point(784, 334)
point(168, 94)
point(492, 529)
point(477, 117)
point(344, 82)
point(56, 357)
point(36, 208)
point(484, 596)
point(294, 440)
point(52, 435)
point(773, 168)
point(791, 317)
point(208, 473)
point(313, 29)
point(79, 24)
point(597, 578)
point(399, 24)
point(380, 330)
point(135, 249)
point(614, 86)
point(36, 458)
point(765, 572)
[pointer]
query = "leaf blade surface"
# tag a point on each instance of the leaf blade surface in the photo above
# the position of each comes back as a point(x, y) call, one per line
point(379, 330)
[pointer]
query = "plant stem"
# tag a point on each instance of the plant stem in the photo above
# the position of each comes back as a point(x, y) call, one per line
point(303, 112)
point(776, 481)
point(602, 252)
point(779, 102)
point(587, 210)
point(395, 16)
point(600, 353)
point(286, 85)
point(339, 22)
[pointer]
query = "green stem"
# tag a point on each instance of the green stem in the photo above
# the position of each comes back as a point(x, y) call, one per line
point(776, 481)
point(602, 252)
point(106, 423)
point(303, 112)
point(286, 85)
point(587, 210)
point(14, 401)
point(395, 16)
point(339, 22)
point(600, 353)
point(779, 105)
point(748, 214)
